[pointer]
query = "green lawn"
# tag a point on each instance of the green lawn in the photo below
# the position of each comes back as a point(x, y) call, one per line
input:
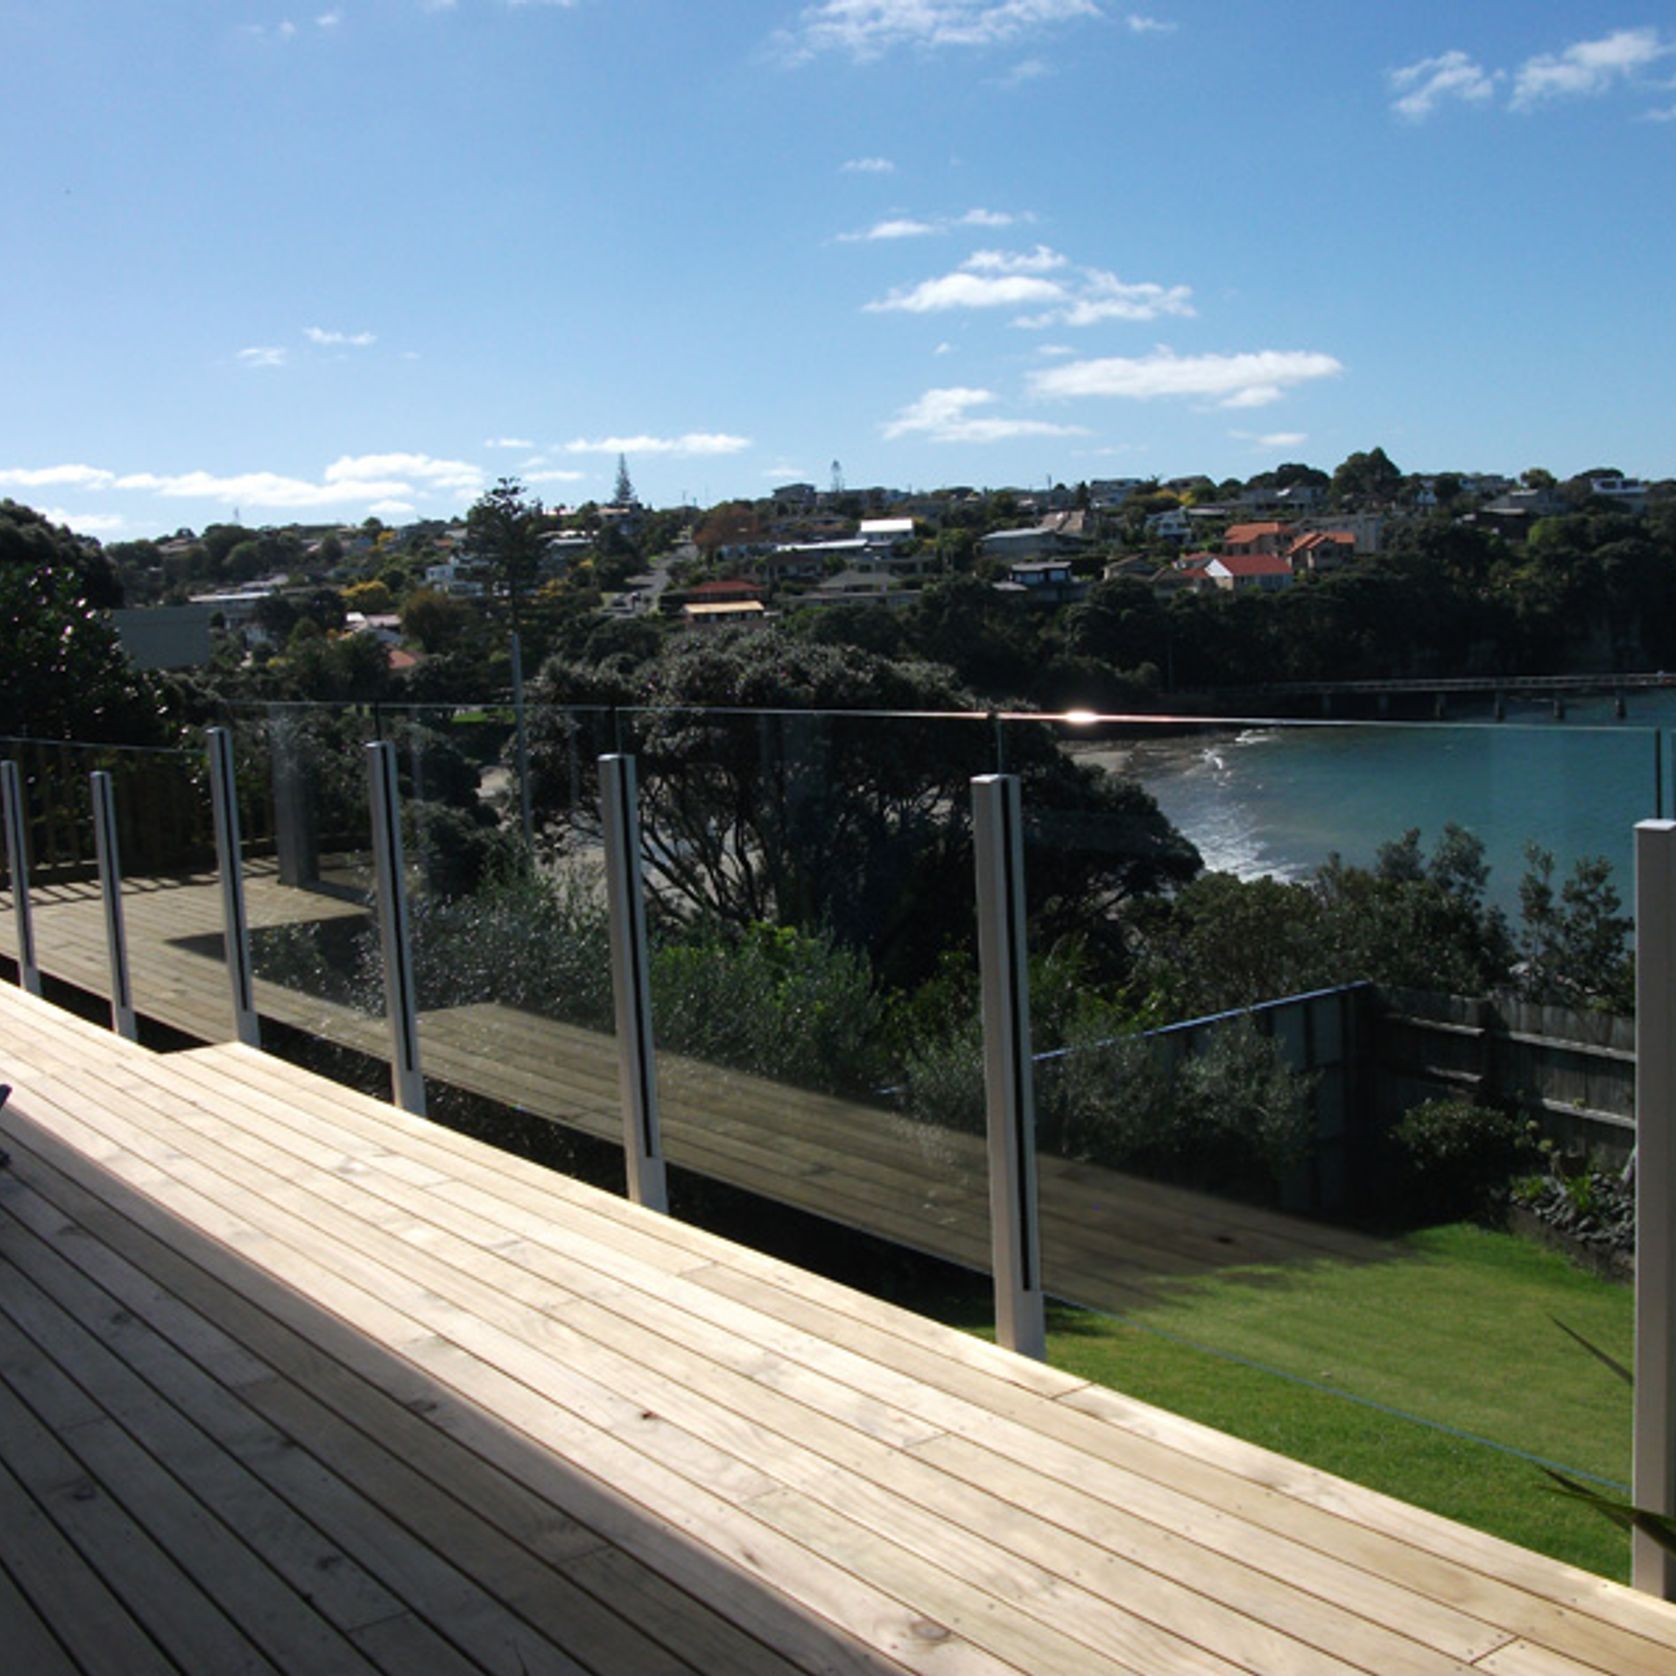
point(1457, 1330)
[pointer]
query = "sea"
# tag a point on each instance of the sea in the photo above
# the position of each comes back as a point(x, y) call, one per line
point(1281, 798)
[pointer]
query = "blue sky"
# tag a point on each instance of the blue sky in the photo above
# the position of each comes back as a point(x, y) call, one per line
point(364, 256)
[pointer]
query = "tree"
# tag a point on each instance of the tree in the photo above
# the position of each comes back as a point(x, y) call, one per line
point(437, 621)
point(64, 674)
point(1367, 477)
point(505, 529)
point(371, 599)
point(623, 494)
point(765, 797)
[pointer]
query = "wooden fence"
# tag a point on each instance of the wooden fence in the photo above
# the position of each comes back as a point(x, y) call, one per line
point(1573, 1070)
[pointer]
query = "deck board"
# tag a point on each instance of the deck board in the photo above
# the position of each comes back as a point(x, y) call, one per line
point(396, 1401)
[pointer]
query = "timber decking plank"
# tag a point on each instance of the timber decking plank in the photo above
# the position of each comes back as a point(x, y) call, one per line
point(30, 1645)
point(955, 1515)
point(395, 1418)
point(159, 1592)
point(1392, 1657)
point(683, 1502)
point(67, 1592)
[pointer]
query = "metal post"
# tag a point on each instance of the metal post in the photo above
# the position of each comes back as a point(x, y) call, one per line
point(521, 746)
point(1009, 1081)
point(407, 1083)
point(235, 928)
point(123, 1021)
point(1654, 1473)
point(17, 864)
point(637, 1068)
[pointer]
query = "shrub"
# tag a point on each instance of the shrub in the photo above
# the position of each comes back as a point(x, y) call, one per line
point(782, 1003)
point(1458, 1159)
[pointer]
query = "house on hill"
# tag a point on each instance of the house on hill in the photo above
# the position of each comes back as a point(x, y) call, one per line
point(1248, 540)
point(1321, 551)
point(1264, 571)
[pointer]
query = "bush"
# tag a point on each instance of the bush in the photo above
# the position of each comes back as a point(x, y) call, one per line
point(1458, 1160)
point(781, 1003)
point(1235, 1118)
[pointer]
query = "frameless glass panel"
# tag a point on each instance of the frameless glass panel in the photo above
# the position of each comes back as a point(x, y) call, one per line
point(306, 838)
point(508, 939)
point(1299, 1107)
point(813, 972)
point(171, 901)
point(64, 873)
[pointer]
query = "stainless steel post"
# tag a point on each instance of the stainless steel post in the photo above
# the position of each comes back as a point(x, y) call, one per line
point(229, 852)
point(17, 865)
point(521, 746)
point(1009, 1080)
point(1653, 1477)
point(123, 1020)
point(407, 1082)
point(637, 1067)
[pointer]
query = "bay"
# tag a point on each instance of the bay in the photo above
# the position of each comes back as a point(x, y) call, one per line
point(1280, 799)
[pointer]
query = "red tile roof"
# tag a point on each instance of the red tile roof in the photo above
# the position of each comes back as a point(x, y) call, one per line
point(1254, 564)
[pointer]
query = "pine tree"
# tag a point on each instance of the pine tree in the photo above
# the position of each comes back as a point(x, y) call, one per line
point(624, 493)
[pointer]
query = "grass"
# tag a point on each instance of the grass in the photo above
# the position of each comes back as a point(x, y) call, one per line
point(1455, 1339)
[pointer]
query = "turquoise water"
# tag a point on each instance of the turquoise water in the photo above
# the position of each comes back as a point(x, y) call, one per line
point(1280, 799)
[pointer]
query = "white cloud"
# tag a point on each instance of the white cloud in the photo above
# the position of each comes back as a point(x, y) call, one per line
point(554, 474)
point(785, 474)
point(507, 442)
point(1665, 114)
point(1424, 85)
point(944, 416)
point(1009, 279)
point(440, 474)
point(1250, 380)
point(329, 20)
point(915, 227)
point(262, 357)
point(84, 523)
point(56, 477)
point(1142, 25)
point(693, 443)
point(944, 348)
point(867, 29)
point(1106, 297)
point(392, 509)
point(869, 166)
point(261, 488)
point(1041, 260)
point(896, 227)
point(1281, 439)
point(1586, 67)
point(355, 340)
point(968, 290)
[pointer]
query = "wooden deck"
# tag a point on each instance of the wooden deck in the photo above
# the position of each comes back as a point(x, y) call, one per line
point(1109, 1241)
point(293, 1381)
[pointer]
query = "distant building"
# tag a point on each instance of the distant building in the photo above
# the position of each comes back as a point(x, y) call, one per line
point(886, 532)
point(1169, 525)
point(1264, 571)
point(860, 587)
point(1321, 551)
point(1246, 540)
point(723, 613)
point(1046, 581)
